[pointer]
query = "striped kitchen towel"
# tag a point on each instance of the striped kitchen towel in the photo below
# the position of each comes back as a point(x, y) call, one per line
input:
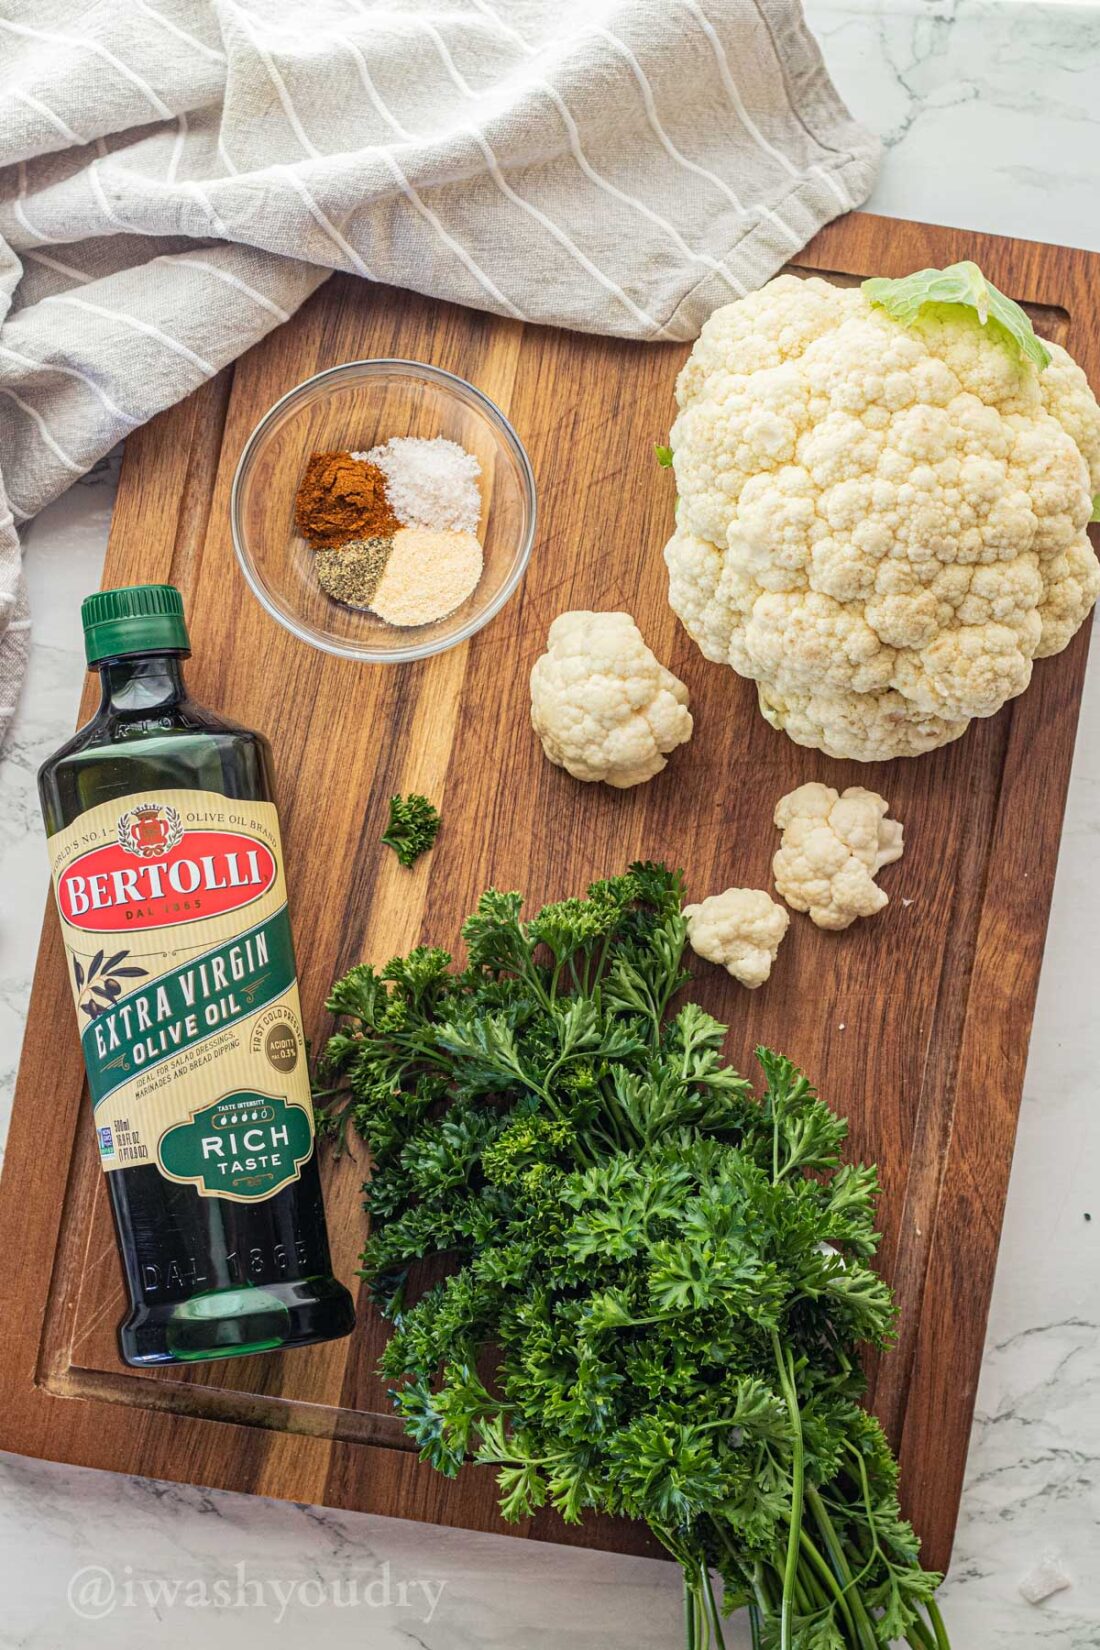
point(178, 175)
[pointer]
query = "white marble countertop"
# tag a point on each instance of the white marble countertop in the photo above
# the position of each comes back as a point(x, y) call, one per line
point(991, 114)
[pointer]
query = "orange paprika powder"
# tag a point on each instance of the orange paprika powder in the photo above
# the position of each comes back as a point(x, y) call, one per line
point(342, 498)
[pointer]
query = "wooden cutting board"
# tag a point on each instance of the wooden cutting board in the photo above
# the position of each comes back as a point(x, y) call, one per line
point(915, 1025)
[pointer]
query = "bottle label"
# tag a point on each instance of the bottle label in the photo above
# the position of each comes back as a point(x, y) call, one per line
point(177, 939)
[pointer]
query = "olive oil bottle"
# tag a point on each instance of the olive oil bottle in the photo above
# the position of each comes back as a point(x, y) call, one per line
point(167, 871)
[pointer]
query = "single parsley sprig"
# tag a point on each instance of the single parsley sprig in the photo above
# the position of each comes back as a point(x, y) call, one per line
point(669, 1275)
point(413, 827)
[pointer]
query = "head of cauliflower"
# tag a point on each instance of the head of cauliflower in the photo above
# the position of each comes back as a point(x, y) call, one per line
point(881, 524)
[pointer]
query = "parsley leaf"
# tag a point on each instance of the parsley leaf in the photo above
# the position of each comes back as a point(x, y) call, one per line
point(413, 827)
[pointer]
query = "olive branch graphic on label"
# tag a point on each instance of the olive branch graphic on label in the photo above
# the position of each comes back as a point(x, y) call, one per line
point(100, 984)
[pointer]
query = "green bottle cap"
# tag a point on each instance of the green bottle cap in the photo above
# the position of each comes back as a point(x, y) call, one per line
point(138, 618)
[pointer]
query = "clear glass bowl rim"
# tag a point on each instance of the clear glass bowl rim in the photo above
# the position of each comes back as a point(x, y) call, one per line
point(452, 384)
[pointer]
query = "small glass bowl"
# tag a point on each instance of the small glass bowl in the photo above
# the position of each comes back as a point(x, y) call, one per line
point(358, 406)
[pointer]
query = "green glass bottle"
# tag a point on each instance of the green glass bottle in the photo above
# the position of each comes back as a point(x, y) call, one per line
point(167, 869)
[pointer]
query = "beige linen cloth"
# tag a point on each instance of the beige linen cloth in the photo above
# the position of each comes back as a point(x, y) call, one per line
point(178, 175)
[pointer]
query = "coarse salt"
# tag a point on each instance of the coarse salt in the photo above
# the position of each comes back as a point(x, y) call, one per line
point(1049, 1576)
point(428, 575)
point(429, 483)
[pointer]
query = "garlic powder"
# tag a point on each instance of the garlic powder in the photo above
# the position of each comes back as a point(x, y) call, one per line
point(427, 576)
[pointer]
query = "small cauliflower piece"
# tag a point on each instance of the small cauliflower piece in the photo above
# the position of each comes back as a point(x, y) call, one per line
point(832, 849)
point(741, 929)
point(602, 704)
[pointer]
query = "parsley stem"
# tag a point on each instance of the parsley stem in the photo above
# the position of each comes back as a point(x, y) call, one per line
point(785, 1366)
point(712, 1608)
point(698, 1614)
point(938, 1625)
point(840, 1564)
point(689, 1614)
point(829, 1581)
point(702, 1621)
point(918, 1636)
point(762, 1582)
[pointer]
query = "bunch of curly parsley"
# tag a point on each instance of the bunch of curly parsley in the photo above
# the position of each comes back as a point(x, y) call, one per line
point(667, 1275)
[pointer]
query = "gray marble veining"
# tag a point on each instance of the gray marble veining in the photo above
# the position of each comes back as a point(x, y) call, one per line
point(988, 109)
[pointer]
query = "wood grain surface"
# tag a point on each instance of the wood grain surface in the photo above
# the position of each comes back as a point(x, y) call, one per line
point(915, 1025)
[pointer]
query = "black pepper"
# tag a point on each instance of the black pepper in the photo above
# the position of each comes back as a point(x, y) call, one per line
point(351, 573)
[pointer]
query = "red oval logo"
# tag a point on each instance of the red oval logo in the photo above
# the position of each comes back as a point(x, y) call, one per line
point(156, 877)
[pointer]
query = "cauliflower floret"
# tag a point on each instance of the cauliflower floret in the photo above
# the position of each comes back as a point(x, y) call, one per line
point(1066, 394)
point(1072, 586)
point(848, 725)
point(832, 849)
point(602, 704)
point(741, 929)
point(883, 525)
